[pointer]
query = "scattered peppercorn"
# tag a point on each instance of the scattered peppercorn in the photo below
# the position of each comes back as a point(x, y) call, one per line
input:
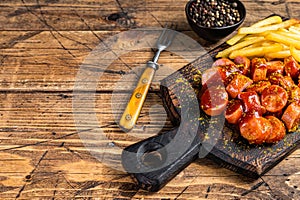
point(214, 13)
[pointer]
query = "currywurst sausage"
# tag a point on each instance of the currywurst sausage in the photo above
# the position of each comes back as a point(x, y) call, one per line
point(274, 98)
point(291, 115)
point(278, 130)
point(254, 128)
point(260, 98)
point(214, 100)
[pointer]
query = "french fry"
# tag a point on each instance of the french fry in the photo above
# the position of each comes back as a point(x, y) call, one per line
point(238, 46)
point(270, 38)
point(256, 51)
point(283, 39)
point(253, 45)
point(294, 30)
point(289, 34)
point(255, 30)
point(279, 54)
point(267, 43)
point(270, 20)
point(295, 53)
point(264, 33)
point(283, 30)
point(264, 22)
point(235, 39)
point(249, 37)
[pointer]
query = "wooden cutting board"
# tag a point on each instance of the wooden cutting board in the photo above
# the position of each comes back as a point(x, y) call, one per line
point(230, 150)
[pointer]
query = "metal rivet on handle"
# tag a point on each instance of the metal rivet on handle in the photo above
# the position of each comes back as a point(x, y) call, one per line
point(128, 117)
point(138, 95)
point(145, 81)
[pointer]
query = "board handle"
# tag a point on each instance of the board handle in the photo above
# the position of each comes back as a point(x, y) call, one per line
point(147, 160)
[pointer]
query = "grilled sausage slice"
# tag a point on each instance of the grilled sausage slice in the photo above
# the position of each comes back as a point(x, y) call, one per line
point(251, 103)
point(258, 87)
point(274, 98)
point(278, 130)
point(254, 128)
point(237, 85)
point(214, 100)
point(243, 64)
point(213, 76)
point(294, 93)
point(258, 69)
point(222, 62)
point(291, 67)
point(275, 66)
point(284, 81)
point(234, 111)
point(291, 116)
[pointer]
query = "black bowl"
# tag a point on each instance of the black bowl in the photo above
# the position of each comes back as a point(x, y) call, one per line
point(214, 34)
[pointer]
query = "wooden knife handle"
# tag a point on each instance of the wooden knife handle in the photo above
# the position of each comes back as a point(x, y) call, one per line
point(137, 99)
point(143, 159)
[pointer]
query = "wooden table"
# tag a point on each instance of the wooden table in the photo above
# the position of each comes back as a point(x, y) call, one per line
point(43, 44)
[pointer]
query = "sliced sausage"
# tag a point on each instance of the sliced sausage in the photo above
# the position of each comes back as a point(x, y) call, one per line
point(291, 67)
point(238, 84)
point(213, 76)
point(258, 87)
point(258, 69)
point(229, 72)
point(275, 66)
point(234, 111)
point(214, 100)
point(294, 94)
point(274, 98)
point(255, 129)
point(243, 64)
point(291, 116)
point(223, 62)
point(284, 81)
point(251, 103)
point(278, 130)
point(227, 69)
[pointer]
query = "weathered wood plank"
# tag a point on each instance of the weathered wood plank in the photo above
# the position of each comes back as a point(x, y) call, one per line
point(42, 63)
point(42, 44)
point(92, 14)
point(62, 171)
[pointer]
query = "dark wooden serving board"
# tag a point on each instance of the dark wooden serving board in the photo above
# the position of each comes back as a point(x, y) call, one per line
point(230, 150)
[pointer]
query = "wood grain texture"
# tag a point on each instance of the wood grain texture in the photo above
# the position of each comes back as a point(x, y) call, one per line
point(42, 44)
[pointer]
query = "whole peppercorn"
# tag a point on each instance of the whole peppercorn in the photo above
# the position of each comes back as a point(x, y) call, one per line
point(214, 13)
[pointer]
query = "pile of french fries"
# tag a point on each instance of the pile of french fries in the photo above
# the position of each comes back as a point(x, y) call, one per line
point(270, 38)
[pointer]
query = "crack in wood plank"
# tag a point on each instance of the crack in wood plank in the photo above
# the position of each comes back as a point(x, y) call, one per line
point(43, 20)
point(207, 191)
point(155, 18)
point(58, 138)
point(184, 189)
point(55, 188)
point(272, 193)
point(253, 188)
point(287, 10)
point(31, 173)
point(45, 141)
point(102, 41)
point(120, 6)
point(87, 25)
point(92, 184)
point(71, 150)
point(16, 40)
